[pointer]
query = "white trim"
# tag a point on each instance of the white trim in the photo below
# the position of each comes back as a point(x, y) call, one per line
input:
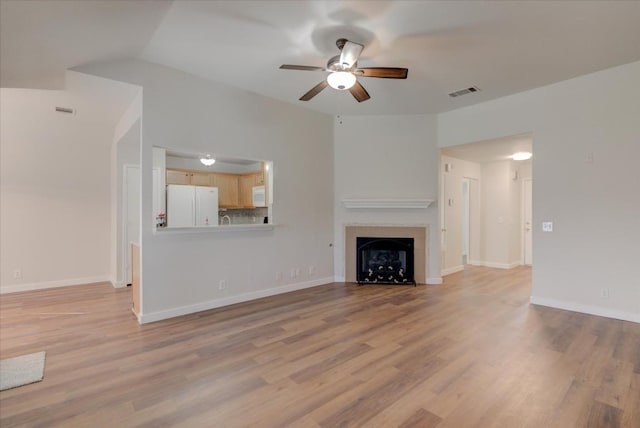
point(118, 284)
point(124, 232)
point(449, 271)
point(145, 318)
point(586, 309)
point(138, 317)
point(15, 288)
point(434, 281)
point(339, 279)
point(496, 265)
point(387, 203)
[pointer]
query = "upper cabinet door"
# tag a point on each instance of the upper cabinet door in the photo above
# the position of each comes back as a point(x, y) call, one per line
point(178, 177)
point(200, 179)
point(258, 179)
point(227, 185)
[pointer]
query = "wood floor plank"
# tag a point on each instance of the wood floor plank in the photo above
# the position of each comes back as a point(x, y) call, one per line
point(471, 352)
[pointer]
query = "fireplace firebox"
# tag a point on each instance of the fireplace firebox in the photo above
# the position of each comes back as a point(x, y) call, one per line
point(384, 261)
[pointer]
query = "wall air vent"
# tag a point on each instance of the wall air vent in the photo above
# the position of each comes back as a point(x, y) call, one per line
point(65, 110)
point(464, 91)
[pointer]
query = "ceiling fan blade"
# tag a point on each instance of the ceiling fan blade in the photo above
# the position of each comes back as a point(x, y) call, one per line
point(359, 92)
point(350, 53)
point(314, 91)
point(302, 67)
point(383, 72)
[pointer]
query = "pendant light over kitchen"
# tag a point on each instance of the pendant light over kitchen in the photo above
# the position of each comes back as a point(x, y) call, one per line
point(207, 160)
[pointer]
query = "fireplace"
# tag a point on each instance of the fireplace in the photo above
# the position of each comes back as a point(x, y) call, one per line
point(384, 260)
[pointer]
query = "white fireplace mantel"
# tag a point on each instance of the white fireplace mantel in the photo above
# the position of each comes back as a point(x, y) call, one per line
point(386, 203)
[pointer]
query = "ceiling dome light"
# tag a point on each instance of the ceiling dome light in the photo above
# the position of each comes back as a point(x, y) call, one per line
point(341, 80)
point(521, 156)
point(207, 161)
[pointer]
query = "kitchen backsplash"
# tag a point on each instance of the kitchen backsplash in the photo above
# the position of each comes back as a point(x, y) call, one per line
point(242, 216)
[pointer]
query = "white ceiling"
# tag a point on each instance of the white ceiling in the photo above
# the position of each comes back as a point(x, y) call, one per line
point(503, 47)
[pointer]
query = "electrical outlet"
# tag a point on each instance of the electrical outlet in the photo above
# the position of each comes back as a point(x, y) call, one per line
point(547, 226)
point(604, 293)
point(222, 284)
point(17, 273)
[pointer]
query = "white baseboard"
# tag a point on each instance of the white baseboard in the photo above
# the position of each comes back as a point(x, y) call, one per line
point(339, 279)
point(449, 271)
point(586, 309)
point(145, 318)
point(15, 288)
point(496, 265)
point(118, 284)
point(434, 281)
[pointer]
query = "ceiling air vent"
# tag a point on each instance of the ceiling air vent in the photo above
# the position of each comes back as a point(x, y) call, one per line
point(464, 91)
point(65, 110)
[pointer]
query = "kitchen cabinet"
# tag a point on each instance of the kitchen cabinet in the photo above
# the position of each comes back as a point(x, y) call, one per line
point(200, 179)
point(194, 178)
point(246, 183)
point(178, 177)
point(227, 185)
point(234, 190)
point(258, 178)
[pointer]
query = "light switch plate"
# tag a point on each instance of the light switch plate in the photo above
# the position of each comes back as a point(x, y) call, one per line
point(547, 226)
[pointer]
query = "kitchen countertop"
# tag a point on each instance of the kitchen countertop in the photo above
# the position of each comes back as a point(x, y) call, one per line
point(217, 228)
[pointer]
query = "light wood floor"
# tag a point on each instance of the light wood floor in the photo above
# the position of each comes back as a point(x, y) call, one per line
point(470, 353)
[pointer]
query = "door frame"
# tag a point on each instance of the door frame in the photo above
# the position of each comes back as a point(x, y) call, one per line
point(125, 246)
point(524, 220)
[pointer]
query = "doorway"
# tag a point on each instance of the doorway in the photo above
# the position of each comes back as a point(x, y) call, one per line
point(482, 202)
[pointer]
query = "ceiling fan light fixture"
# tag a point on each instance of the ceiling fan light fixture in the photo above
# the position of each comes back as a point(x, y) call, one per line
point(341, 80)
point(207, 161)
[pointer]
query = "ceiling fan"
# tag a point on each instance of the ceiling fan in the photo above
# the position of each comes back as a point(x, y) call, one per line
point(343, 72)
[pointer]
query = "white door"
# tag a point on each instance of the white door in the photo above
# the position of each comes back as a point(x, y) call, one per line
point(131, 214)
point(528, 222)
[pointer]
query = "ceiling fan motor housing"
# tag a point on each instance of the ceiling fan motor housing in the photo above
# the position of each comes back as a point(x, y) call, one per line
point(334, 64)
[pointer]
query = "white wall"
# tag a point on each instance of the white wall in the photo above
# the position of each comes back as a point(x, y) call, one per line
point(595, 205)
point(181, 272)
point(54, 199)
point(501, 215)
point(390, 157)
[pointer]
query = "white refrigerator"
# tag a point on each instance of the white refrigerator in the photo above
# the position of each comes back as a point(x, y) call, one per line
point(189, 206)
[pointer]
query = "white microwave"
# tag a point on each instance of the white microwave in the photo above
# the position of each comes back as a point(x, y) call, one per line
point(259, 199)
